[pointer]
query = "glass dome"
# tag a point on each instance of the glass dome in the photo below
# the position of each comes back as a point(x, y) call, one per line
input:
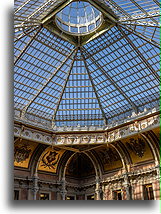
point(110, 79)
point(79, 18)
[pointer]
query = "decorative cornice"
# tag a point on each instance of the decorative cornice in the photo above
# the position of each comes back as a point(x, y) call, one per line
point(75, 138)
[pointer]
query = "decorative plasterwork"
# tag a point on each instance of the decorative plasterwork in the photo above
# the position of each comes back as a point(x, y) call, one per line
point(134, 128)
point(85, 137)
point(42, 137)
point(80, 139)
point(137, 146)
point(33, 135)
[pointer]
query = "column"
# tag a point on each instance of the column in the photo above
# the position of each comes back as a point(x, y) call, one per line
point(63, 190)
point(35, 186)
point(158, 171)
point(103, 192)
point(98, 189)
point(127, 187)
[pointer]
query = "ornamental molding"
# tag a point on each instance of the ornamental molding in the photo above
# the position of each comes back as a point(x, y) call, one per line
point(54, 138)
point(33, 135)
point(50, 139)
point(134, 128)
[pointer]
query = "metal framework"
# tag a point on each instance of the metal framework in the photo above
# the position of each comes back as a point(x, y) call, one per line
point(106, 79)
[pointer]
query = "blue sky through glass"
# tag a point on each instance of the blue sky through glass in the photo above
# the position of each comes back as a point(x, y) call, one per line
point(123, 72)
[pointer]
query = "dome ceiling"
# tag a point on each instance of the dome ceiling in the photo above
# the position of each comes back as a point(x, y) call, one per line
point(79, 18)
point(92, 80)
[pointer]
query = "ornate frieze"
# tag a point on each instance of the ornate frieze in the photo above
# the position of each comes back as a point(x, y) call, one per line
point(68, 139)
point(33, 135)
point(134, 128)
point(85, 137)
point(80, 139)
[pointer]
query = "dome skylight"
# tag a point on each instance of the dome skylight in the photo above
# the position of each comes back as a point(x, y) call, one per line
point(79, 18)
point(89, 78)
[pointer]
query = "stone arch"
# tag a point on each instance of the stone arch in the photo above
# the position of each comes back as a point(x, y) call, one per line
point(35, 158)
point(95, 164)
point(150, 142)
point(156, 138)
point(155, 142)
point(64, 165)
point(63, 168)
point(126, 169)
point(125, 152)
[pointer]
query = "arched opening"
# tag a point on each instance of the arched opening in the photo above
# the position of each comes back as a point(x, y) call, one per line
point(80, 166)
point(80, 178)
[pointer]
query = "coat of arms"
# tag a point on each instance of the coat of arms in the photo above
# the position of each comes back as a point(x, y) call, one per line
point(21, 153)
point(137, 146)
point(50, 159)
